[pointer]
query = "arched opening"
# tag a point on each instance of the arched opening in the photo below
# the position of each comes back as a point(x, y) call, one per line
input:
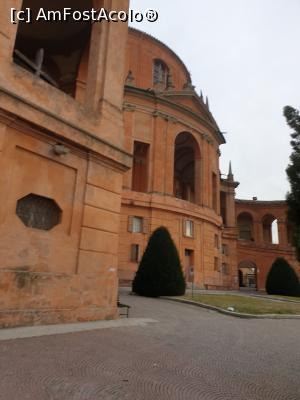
point(160, 73)
point(247, 272)
point(186, 168)
point(270, 229)
point(53, 50)
point(245, 226)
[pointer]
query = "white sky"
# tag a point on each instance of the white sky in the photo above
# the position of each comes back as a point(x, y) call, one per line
point(245, 55)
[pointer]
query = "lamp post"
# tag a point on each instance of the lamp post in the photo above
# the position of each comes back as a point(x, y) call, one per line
point(191, 274)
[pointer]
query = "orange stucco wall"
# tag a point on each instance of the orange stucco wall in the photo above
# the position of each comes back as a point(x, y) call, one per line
point(71, 272)
point(142, 50)
point(156, 117)
point(67, 273)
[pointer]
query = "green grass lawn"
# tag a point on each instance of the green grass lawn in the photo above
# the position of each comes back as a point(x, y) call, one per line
point(246, 304)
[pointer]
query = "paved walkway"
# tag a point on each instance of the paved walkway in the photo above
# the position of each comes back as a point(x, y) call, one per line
point(48, 330)
point(189, 354)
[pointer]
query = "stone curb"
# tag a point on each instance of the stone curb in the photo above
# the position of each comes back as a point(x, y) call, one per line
point(231, 313)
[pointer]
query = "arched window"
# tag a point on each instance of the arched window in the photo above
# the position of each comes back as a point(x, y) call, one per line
point(160, 73)
point(245, 226)
point(186, 167)
point(270, 229)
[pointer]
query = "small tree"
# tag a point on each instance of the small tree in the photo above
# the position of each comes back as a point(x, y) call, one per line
point(293, 172)
point(159, 272)
point(282, 279)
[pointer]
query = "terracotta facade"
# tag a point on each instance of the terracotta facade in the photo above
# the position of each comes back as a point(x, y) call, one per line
point(258, 243)
point(175, 179)
point(90, 170)
point(165, 116)
point(62, 150)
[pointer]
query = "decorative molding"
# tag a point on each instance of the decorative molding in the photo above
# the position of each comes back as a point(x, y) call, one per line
point(150, 94)
point(206, 137)
point(129, 107)
point(188, 86)
point(60, 150)
point(165, 116)
point(130, 79)
point(86, 136)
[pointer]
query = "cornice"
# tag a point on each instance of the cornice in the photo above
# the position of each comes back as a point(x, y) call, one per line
point(192, 94)
point(157, 99)
point(76, 136)
point(259, 203)
point(159, 201)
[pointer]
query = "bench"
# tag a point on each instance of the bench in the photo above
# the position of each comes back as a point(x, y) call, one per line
point(122, 305)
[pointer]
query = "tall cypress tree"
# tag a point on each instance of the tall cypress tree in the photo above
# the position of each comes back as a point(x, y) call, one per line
point(293, 172)
point(282, 279)
point(160, 272)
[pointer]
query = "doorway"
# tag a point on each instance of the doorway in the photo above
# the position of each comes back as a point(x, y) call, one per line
point(189, 265)
point(247, 272)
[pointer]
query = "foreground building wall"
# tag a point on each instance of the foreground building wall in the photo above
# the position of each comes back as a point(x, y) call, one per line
point(62, 158)
point(75, 216)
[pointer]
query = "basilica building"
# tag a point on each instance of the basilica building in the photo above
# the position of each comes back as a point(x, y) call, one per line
point(104, 138)
point(175, 181)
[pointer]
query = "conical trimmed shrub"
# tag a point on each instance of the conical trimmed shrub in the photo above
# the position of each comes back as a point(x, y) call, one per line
point(159, 272)
point(282, 279)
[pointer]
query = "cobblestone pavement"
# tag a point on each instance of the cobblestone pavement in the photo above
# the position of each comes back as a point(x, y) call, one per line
point(191, 353)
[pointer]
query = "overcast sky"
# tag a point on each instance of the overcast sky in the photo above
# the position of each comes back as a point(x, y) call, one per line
point(245, 56)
